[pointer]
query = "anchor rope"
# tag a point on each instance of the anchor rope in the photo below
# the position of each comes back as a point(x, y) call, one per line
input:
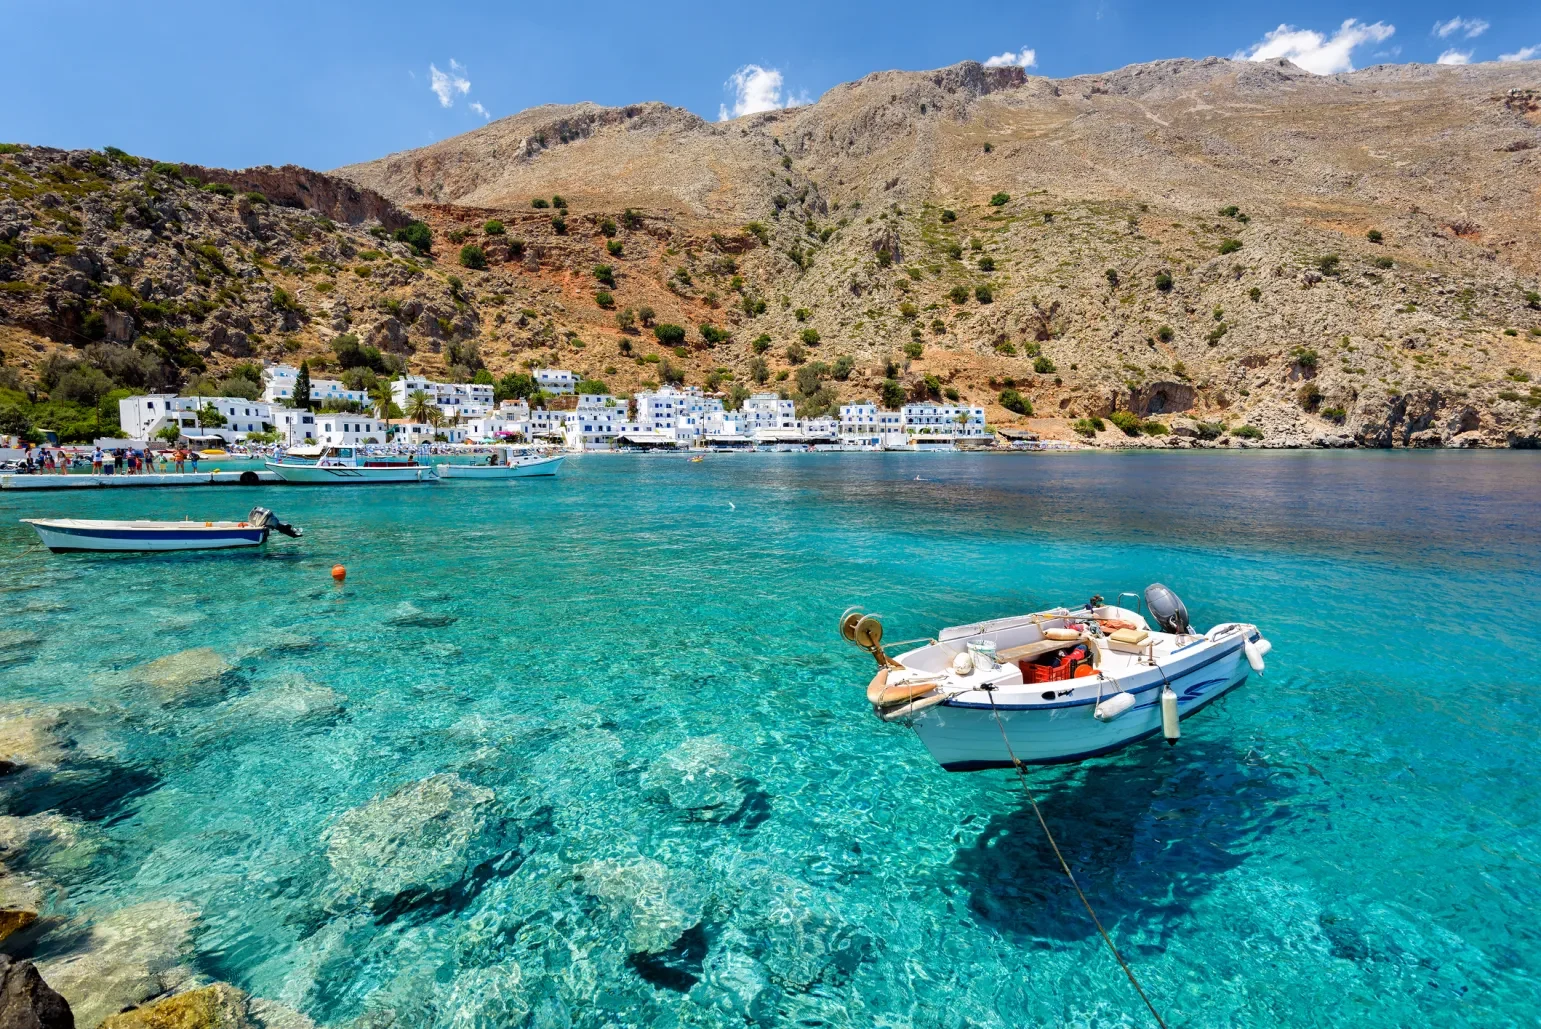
point(1022, 778)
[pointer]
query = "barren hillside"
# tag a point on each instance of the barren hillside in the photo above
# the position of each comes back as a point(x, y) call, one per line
point(1334, 259)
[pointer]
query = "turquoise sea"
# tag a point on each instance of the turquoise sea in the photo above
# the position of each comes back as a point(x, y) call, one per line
point(588, 751)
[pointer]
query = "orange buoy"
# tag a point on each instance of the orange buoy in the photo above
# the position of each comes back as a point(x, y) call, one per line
point(339, 572)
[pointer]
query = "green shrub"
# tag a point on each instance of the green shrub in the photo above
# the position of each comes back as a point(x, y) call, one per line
point(493, 227)
point(949, 216)
point(1229, 246)
point(1217, 333)
point(987, 264)
point(1011, 400)
point(802, 314)
point(891, 393)
point(1164, 282)
point(604, 299)
point(1305, 357)
point(914, 349)
point(254, 197)
point(959, 294)
point(170, 171)
point(1006, 348)
point(668, 334)
point(1532, 299)
point(1384, 263)
point(471, 256)
point(1309, 396)
point(16, 148)
point(1327, 264)
point(1248, 432)
point(1153, 428)
point(1230, 212)
point(605, 274)
point(1209, 430)
point(1000, 200)
point(540, 203)
point(1088, 426)
point(1112, 277)
point(810, 336)
point(1334, 414)
point(416, 235)
point(955, 251)
point(1042, 365)
point(761, 343)
point(607, 228)
point(983, 294)
point(1256, 293)
point(1128, 421)
point(713, 335)
point(1517, 375)
point(559, 225)
point(558, 203)
point(1374, 236)
point(845, 364)
point(223, 189)
point(1164, 334)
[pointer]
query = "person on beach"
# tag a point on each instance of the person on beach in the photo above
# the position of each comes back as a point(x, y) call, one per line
point(178, 458)
point(96, 461)
point(193, 457)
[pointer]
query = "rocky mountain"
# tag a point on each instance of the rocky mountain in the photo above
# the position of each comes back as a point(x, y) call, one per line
point(1195, 246)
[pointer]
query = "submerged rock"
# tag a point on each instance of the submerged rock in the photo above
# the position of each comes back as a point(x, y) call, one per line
point(409, 615)
point(420, 838)
point(30, 739)
point(126, 958)
point(27, 1001)
point(655, 905)
point(187, 677)
point(294, 699)
point(701, 776)
point(212, 1007)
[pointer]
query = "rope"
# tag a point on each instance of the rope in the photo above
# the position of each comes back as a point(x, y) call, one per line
point(1022, 778)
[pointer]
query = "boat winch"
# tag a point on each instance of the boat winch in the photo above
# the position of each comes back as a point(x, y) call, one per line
point(865, 631)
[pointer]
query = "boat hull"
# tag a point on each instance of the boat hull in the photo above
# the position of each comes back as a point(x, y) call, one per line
point(343, 475)
point(67, 538)
point(965, 736)
point(544, 466)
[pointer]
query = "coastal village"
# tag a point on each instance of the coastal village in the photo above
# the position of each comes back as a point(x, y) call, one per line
point(563, 410)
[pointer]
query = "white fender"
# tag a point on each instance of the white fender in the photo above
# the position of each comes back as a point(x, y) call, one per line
point(1263, 646)
point(1170, 726)
point(1254, 656)
point(1114, 706)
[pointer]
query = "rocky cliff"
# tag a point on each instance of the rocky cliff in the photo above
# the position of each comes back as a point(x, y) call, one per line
point(1192, 247)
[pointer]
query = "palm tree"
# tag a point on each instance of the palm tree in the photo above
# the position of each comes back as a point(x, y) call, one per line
point(380, 396)
point(420, 408)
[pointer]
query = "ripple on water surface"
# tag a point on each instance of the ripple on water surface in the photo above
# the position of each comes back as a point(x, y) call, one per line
point(586, 751)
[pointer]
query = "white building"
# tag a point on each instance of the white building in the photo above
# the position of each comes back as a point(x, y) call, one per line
point(142, 417)
point(422, 432)
point(510, 418)
point(458, 400)
point(556, 380)
point(349, 429)
point(767, 416)
point(865, 424)
point(278, 387)
point(595, 422)
point(294, 425)
point(932, 419)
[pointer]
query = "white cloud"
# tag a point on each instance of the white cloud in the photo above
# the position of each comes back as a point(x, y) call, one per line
point(1454, 56)
point(1524, 53)
point(1023, 58)
point(479, 109)
point(446, 85)
point(757, 89)
point(1315, 52)
point(1471, 27)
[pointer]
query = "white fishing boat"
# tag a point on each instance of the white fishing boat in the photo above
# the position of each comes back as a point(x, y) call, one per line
point(507, 462)
point(73, 534)
point(345, 466)
point(1056, 686)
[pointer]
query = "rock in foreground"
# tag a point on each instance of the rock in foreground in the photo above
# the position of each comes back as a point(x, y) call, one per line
point(27, 1002)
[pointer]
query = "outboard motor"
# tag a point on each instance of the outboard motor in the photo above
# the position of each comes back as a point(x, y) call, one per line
point(265, 519)
point(1167, 609)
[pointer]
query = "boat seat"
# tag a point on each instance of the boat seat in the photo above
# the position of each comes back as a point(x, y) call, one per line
point(1029, 651)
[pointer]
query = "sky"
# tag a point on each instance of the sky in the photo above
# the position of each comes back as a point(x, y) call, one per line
point(326, 84)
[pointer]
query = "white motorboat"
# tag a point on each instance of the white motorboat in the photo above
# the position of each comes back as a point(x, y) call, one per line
point(1056, 686)
point(345, 466)
point(73, 534)
point(508, 462)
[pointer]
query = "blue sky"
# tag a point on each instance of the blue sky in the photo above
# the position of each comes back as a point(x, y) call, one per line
point(324, 84)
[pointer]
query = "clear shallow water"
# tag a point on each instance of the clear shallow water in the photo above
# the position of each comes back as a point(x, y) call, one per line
point(670, 806)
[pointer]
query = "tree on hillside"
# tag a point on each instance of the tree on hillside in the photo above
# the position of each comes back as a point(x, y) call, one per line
point(302, 387)
point(421, 408)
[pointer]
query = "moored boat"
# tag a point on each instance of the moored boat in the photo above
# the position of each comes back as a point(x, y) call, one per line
point(508, 462)
point(1056, 686)
point(345, 466)
point(78, 534)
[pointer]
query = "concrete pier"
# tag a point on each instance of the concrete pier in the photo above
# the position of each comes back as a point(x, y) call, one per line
point(249, 477)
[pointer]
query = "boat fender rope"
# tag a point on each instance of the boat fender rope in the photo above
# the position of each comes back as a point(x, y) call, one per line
point(1063, 864)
